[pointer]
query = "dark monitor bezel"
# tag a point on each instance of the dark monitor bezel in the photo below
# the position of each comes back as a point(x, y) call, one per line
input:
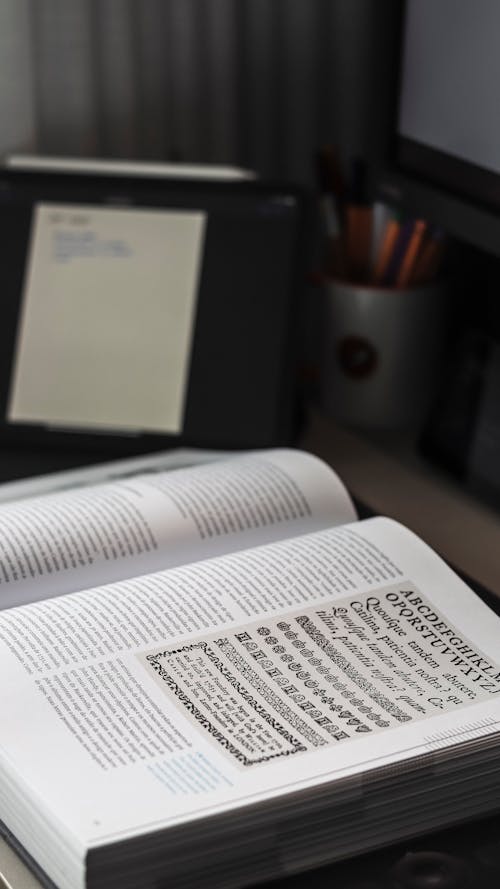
point(460, 197)
point(276, 425)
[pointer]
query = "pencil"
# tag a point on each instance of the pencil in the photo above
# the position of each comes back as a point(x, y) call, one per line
point(330, 216)
point(407, 266)
point(387, 246)
point(381, 216)
point(398, 253)
point(429, 259)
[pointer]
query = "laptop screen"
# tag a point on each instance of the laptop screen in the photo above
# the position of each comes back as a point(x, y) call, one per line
point(148, 308)
point(108, 309)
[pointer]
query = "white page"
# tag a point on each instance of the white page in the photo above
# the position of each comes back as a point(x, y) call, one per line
point(108, 314)
point(345, 583)
point(78, 538)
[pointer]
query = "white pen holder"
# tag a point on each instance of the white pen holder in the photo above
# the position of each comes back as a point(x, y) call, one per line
point(381, 353)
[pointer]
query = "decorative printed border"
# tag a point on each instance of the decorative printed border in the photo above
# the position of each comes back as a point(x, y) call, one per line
point(296, 746)
point(343, 664)
point(269, 695)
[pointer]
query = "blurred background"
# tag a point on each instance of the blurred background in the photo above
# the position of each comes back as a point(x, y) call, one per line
point(266, 85)
point(252, 82)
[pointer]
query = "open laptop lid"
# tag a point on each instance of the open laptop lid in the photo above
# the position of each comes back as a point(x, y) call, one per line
point(141, 313)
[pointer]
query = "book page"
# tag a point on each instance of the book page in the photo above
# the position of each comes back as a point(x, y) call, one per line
point(111, 470)
point(169, 698)
point(78, 538)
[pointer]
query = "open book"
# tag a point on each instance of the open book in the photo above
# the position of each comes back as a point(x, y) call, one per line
point(218, 675)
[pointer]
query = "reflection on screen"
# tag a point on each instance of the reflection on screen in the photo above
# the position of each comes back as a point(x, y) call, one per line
point(450, 75)
point(107, 319)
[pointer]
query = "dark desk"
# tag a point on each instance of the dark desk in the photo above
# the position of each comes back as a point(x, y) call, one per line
point(22, 463)
point(385, 472)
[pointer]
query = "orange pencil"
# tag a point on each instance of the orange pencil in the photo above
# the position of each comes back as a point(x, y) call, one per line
point(409, 259)
point(386, 248)
point(429, 260)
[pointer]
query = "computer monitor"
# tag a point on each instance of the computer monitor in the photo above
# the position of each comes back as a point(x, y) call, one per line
point(443, 163)
point(444, 156)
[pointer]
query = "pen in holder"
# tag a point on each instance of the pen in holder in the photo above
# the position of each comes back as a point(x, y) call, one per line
point(381, 352)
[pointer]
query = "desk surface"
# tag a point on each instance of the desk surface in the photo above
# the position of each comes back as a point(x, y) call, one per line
point(13, 873)
point(392, 482)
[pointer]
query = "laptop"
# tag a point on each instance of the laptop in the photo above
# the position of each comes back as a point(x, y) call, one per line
point(143, 312)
